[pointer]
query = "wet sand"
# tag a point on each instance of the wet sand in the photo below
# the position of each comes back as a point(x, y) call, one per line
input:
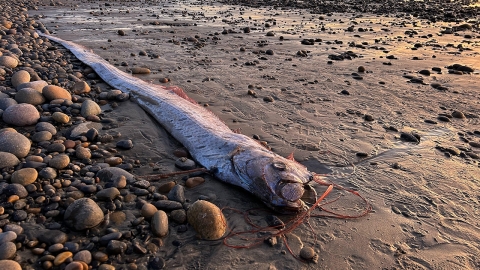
point(334, 118)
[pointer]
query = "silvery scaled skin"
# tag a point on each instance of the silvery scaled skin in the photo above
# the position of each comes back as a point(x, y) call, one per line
point(231, 157)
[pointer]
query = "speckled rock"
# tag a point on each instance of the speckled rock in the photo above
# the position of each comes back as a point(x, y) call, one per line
point(84, 256)
point(10, 265)
point(24, 176)
point(15, 143)
point(82, 152)
point(29, 96)
point(47, 173)
point(7, 237)
point(16, 189)
point(20, 77)
point(159, 223)
point(8, 61)
point(60, 117)
point(148, 210)
point(51, 92)
point(8, 160)
point(207, 220)
point(21, 115)
point(59, 161)
point(90, 107)
point(37, 85)
point(83, 214)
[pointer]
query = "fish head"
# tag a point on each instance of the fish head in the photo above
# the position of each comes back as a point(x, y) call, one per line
point(279, 182)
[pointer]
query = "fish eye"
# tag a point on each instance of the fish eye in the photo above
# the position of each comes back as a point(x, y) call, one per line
point(279, 166)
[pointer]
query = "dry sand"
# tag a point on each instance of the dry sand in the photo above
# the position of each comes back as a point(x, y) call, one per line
point(425, 202)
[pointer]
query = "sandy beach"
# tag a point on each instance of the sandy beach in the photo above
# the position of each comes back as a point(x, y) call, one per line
point(382, 102)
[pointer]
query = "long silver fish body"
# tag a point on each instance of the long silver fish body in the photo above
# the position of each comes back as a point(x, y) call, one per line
point(231, 157)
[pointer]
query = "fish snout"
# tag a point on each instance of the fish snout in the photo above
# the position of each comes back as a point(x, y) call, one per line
point(291, 191)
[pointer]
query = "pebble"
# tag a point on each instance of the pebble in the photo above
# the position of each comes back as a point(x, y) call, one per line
point(16, 189)
point(194, 181)
point(21, 115)
point(179, 216)
point(207, 220)
point(90, 107)
point(100, 256)
point(52, 92)
point(120, 182)
point(185, 164)
point(140, 70)
point(37, 85)
point(307, 253)
point(108, 193)
point(76, 266)
point(458, 114)
point(409, 137)
point(62, 257)
point(7, 102)
point(59, 161)
point(82, 152)
point(177, 194)
point(47, 173)
point(45, 126)
point(8, 61)
point(41, 136)
point(15, 143)
point(166, 187)
point(113, 161)
point(148, 210)
point(81, 87)
point(29, 96)
point(104, 240)
point(60, 117)
point(125, 144)
point(159, 223)
point(106, 267)
point(83, 214)
point(8, 160)
point(7, 251)
point(7, 237)
point(20, 77)
point(24, 176)
point(10, 265)
point(84, 256)
point(116, 247)
point(112, 173)
point(167, 205)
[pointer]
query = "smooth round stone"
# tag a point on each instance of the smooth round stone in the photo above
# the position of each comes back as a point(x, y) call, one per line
point(81, 88)
point(112, 173)
point(82, 152)
point(51, 92)
point(207, 220)
point(125, 144)
point(60, 117)
point(7, 251)
point(84, 256)
point(90, 107)
point(7, 237)
point(8, 61)
point(19, 215)
point(62, 257)
point(41, 136)
point(120, 182)
point(24, 176)
point(10, 265)
point(114, 161)
point(8, 160)
point(29, 96)
point(7, 102)
point(307, 253)
point(21, 115)
point(167, 205)
point(45, 126)
point(47, 173)
point(56, 147)
point(13, 228)
point(140, 70)
point(166, 187)
point(185, 164)
point(108, 193)
point(194, 181)
point(106, 267)
point(59, 161)
point(100, 256)
point(37, 85)
point(75, 266)
point(159, 223)
point(15, 143)
point(20, 77)
point(83, 214)
point(16, 189)
point(104, 240)
point(148, 210)
point(69, 144)
point(55, 248)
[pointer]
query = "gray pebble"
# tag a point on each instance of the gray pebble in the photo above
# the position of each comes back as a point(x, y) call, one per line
point(125, 144)
point(108, 193)
point(177, 193)
point(8, 160)
point(51, 237)
point(21, 115)
point(16, 189)
point(7, 236)
point(45, 126)
point(41, 136)
point(6, 102)
point(185, 164)
point(7, 250)
point(48, 173)
point(29, 96)
point(167, 205)
point(116, 247)
point(15, 143)
point(83, 214)
point(84, 256)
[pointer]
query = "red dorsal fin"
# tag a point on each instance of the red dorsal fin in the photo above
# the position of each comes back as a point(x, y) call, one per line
point(291, 157)
point(179, 92)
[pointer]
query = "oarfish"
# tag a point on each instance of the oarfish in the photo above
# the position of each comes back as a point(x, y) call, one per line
point(231, 157)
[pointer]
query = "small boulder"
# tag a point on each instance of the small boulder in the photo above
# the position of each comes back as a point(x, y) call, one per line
point(83, 214)
point(37, 85)
point(90, 107)
point(20, 77)
point(81, 87)
point(29, 96)
point(8, 61)
point(159, 223)
point(15, 143)
point(21, 115)
point(8, 160)
point(207, 220)
point(51, 92)
point(24, 176)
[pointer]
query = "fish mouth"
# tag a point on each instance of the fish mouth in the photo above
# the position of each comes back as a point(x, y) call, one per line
point(288, 208)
